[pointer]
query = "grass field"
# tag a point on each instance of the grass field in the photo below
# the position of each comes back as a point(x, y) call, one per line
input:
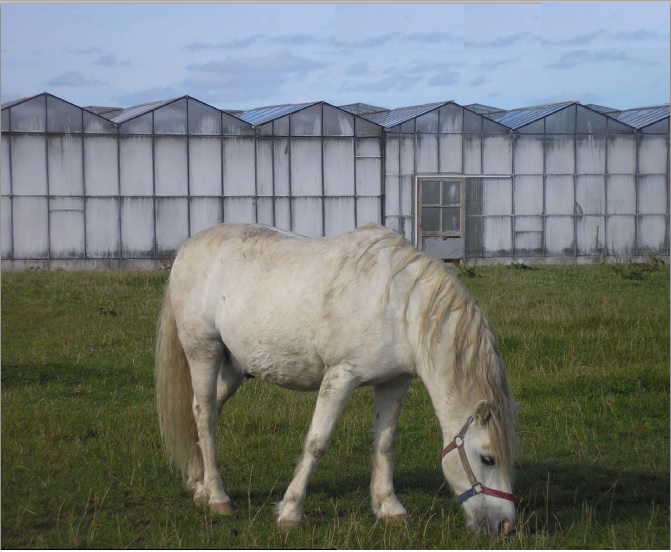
point(587, 353)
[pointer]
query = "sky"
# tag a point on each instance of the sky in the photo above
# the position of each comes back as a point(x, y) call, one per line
point(240, 56)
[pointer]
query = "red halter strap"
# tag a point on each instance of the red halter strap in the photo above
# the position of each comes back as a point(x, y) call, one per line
point(476, 486)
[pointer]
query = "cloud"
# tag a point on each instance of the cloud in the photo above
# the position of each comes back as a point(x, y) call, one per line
point(84, 51)
point(426, 39)
point(496, 63)
point(359, 68)
point(635, 36)
point(398, 83)
point(447, 78)
point(152, 94)
point(73, 79)
point(477, 81)
point(273, 63)
point(299, 39)
point(517, 39)
point(110, 60)
point(581, 57)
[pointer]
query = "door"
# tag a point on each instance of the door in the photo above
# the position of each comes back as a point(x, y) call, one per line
point(441, 217)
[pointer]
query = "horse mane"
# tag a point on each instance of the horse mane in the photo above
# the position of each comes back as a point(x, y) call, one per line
point(478, 367)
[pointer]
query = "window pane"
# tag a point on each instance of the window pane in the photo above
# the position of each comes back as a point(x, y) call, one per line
point(431, 219)
point(451, 219)
point(430, 193)
point(451, 193)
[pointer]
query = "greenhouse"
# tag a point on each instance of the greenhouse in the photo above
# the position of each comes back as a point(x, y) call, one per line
point(87, 187)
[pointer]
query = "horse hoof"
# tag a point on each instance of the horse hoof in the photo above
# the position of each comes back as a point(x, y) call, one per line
point(221, 508)
point(288, 524)
point(201, 499)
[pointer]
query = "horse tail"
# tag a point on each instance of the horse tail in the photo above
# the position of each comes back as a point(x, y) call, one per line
point(174, 395)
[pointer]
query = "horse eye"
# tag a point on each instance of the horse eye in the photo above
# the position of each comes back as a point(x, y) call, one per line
point(487, 460)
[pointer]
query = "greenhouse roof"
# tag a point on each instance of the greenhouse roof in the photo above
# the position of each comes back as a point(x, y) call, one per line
point(642, 116)
point(516, 118)
point(261, 115)
point(484, 109)
point(362, 108)
point(394, 117)
point(602, 109)
point(138, 110)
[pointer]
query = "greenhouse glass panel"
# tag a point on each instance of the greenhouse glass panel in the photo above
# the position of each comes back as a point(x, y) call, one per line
point(171, 166)
point(6, 227)
point(368, 211)
point(407, 185)
point(307, 122)
point(473, 196)
point(203, 119)
point(652, 194)
point(590, 154)
point(338, 215)
point(431, 192)
point(652, 234)
point(394, 130)
point(590, 234)
point(102, 228)
point(427, 153)
point(392, 200)
point(529, 244)
point(528, 155)
point(661, 127)
point(139, 125)
point(497, 196)
point(559, 236)
point(281, 166)
point(497, 236)
point(652, 154)
point(29, 178)
point(264, 210)
point(621, 194)
point(205, 166)
point(450, 154)
point(451, 219)
point(283, 213)
point(472, 154)
point(590, 195)
point(307, 216)
point(5, 120)
point(622, 154)
point(490, 127)
point(537, 127)
point(451, 119)
point(451, 192)
point(31, 233)
point(407, 154)
point(5, 183)
point(232, 126)
point(306, 166)
point(561, 122)
point(239, 167)
point(239, 210)
point(172, 224)
point(528, 224)
point(392, 153)
point(560, 154)
point(472, 122)
point(616, 127)
point(497, 154)
point(368, 147)
point(337, 123)
point(407, 227)
point(528, 195)
point(171, 119)
point(266, 130)
point(30, 116)
point(281, 126)
point(264, 166)
point(590, 122)
point(473, 236)
point(66, 227)
point(621, 235)
point(137, 174)
point(338, 166)
point(63, 117)
point(559, 195)
point(408, 127)
point(205, 213)
point(364, 128)
point(431, 219)
point(97, 125)
point(65, 165)
point(137, 227)
point(428, 122)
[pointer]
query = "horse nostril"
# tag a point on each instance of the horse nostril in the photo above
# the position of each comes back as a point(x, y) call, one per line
point(505, 528)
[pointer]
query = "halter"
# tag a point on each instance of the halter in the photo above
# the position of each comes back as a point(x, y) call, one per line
point(476, 486)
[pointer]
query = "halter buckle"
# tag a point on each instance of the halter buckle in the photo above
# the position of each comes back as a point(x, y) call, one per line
point(458, 441)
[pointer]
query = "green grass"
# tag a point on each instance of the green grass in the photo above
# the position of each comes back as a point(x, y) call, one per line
point(587, 353)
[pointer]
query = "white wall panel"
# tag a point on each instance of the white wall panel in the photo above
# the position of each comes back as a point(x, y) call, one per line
point(392, 154)
point(338, 215)
point(281, 163)
point(497, 196)
point(528, 154)
point(6, 227)
point(591, 154)
point(97, 125)
point(102, 227)
point(451, 118)
point(205, 166)
point(306, 166)
point(652, 237)
point(339, 166)
point(171, 166)
point(30, 116)
point(283, 213)
point(137, 227)
point(368, 177)
point(367, 211)
point(621, 194)
point(560, 155)
point(497, 154)
point(4, 165)
point(528, 224)
point(622, 154)
point(427, 153)
point(428, 122)
point(67, 227)
point(31, 238)
point(239, 210)
point(559, 198)
point(652, 194)
point(407, 195)
point(450, 146)
point(171, 223)
point(529, 243)
point(29, 165)
point(205, 212)
point(239, 167)
point(407, 152)
point(590, 234)
point(137, 175)
point(621, 235)
point(307, 216)
point(472, 154)
point(264, 166)
point(408, 230)
point(652, 154)
point(337, 123)
point(264, 210)
point(392, 198)
point(590, 195)
point(65, 165)
point(307, 122)
point(368, 147)
point(559, 236)
point(101, 165)
point(497, 236)
point(528, 192)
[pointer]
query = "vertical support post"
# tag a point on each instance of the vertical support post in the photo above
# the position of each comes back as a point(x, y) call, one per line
point(356, 195)
point(86, 253)
point(188, 169)
point(118, 173)
point(11, 187)
point(46, 149)
point(153, 182)
point(323, 190)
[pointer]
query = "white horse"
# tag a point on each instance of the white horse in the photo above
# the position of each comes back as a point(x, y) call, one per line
point(362, 308)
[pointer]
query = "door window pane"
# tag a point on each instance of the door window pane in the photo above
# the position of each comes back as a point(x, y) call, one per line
point(451, 193)
point(451, 221)
point(431, 219)
point(431, 193)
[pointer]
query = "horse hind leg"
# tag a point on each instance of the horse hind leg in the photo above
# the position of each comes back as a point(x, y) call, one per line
point(388, 401)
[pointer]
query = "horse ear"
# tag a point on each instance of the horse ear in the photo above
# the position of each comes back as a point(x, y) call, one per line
point(482, 412)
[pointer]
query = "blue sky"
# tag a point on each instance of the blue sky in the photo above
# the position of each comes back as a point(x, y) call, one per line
point(238, 56)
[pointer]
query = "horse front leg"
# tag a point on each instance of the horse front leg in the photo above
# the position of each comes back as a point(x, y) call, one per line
point(335, 389)
point(388, 400)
